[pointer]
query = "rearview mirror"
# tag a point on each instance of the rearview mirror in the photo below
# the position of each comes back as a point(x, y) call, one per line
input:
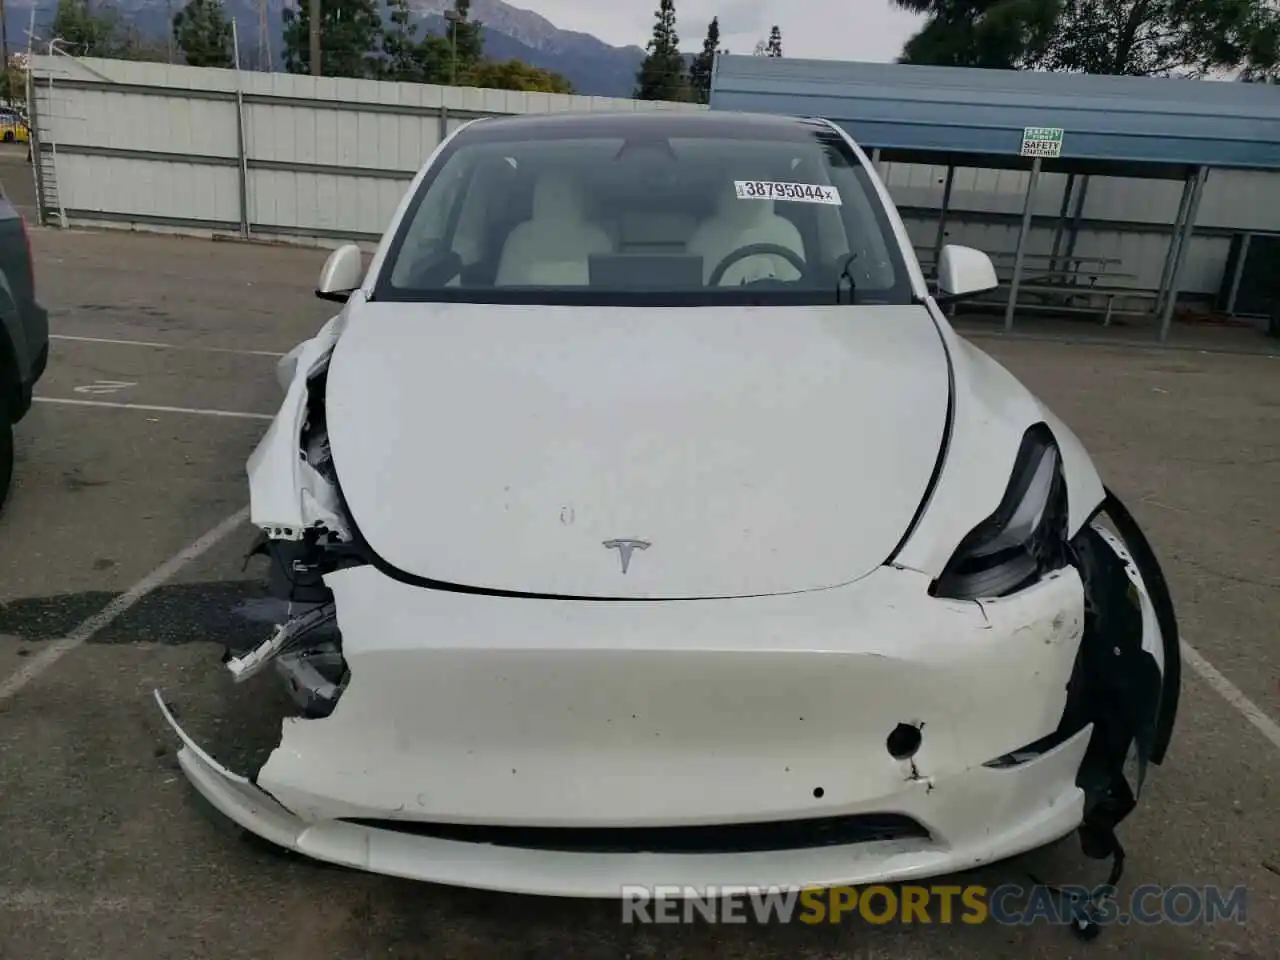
point(964, 272)
point(341, 274)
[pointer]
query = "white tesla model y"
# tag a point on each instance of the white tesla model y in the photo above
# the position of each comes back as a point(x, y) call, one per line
point(643, 520)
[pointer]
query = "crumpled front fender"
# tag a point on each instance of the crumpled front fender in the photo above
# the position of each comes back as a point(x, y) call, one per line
point(287, 496)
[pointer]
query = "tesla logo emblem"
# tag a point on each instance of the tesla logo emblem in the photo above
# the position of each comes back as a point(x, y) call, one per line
point(625, 549)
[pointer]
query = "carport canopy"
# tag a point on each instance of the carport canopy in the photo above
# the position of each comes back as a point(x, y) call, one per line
point(1073, 124)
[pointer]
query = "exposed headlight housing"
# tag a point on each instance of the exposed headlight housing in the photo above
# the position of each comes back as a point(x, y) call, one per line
point(1024, 539)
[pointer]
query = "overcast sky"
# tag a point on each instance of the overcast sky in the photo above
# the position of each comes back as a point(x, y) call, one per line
point(828, 29)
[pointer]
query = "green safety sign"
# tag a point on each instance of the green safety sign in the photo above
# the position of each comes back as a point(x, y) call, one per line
point(1041, 142)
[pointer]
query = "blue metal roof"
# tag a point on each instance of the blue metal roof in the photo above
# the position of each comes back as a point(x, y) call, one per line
point(971, 114)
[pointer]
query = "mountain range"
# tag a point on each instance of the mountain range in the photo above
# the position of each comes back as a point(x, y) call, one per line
point(593, 67)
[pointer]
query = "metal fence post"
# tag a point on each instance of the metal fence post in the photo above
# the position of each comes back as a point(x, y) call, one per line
point(1171, 298)
point(1067, 192)
point(241, 153)
point(941, 235)
point(37, 147)
point(1175, 237)
point(1028, 205)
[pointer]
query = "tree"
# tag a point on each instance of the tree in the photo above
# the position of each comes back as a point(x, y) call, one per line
point(1001, 34)
point(1126, 37)
point(466, 38)
point(203, 34)
point(661, 75)
point(774, 47)
point(517, 75)
point(86, 31)
point(431, 58)
point(13, 82)
point(350, 31)
point(1146, 38)
point(402, 52)
point(136, 45)
point(703, 64)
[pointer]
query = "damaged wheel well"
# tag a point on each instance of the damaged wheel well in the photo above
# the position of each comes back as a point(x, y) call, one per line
point(1116, 685)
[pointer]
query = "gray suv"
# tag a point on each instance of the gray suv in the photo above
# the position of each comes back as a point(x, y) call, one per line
point(24, 333)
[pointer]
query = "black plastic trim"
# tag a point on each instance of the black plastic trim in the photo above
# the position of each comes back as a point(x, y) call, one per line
point(1162, 601)
point(1038, 436)
point(697, 840)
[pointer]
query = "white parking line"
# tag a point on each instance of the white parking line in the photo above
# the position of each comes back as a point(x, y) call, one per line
point(1232, 694)
point(165, 346)
point(55, 650)
point(155, 408)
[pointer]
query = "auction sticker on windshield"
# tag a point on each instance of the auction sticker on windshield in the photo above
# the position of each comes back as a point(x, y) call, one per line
point(776, 190)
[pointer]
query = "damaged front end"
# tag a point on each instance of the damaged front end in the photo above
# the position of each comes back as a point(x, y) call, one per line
point(437, 732)
point(1127, 674)
point(304, 535)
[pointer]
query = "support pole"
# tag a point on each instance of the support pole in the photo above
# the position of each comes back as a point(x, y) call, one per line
point(1171, 298)
point(1237, 274)
point(241, 154)
point(875, 159)
point(1076, 215)
point(37, 146)
point(942, 216)
point(315, 37)
point(1171, 252)
point(1062, 221)
point(1027, 207)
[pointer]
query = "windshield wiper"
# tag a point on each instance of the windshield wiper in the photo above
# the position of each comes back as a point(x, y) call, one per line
point(846, 274)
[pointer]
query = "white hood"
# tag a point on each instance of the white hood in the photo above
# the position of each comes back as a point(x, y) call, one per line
point(757, 451)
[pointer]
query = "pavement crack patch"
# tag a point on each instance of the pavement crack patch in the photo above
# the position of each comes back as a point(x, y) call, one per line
point(48, 618)
point(175, 614)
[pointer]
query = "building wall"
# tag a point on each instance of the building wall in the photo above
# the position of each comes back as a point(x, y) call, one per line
point(1124, 218)
point(158, 146)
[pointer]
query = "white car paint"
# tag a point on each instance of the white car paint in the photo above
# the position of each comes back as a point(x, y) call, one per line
point(286, 494)
point(774, 466)
point(563, 713)
point(992, 411)
point(745, 448)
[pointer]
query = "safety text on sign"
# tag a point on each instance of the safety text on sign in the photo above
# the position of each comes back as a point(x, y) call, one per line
point(1042, 142)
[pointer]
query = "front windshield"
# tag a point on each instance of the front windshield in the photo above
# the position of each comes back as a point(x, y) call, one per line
point(631, 216)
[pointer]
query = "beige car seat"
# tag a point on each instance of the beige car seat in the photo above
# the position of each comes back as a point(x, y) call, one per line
point(741, 223)
point(553, 246)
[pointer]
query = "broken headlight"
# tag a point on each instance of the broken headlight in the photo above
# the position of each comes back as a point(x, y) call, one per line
point(1024, 539)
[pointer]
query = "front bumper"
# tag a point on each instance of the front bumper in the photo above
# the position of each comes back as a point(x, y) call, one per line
point(501, 712)
point(991, 814)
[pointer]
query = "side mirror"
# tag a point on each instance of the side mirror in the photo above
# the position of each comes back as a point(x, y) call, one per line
point(964, 272)
point(341, 274)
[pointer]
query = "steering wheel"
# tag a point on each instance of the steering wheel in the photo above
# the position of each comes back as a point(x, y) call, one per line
point(753, 250)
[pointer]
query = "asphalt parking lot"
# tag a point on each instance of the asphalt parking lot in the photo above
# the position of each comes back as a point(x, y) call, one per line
point(130, 492)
